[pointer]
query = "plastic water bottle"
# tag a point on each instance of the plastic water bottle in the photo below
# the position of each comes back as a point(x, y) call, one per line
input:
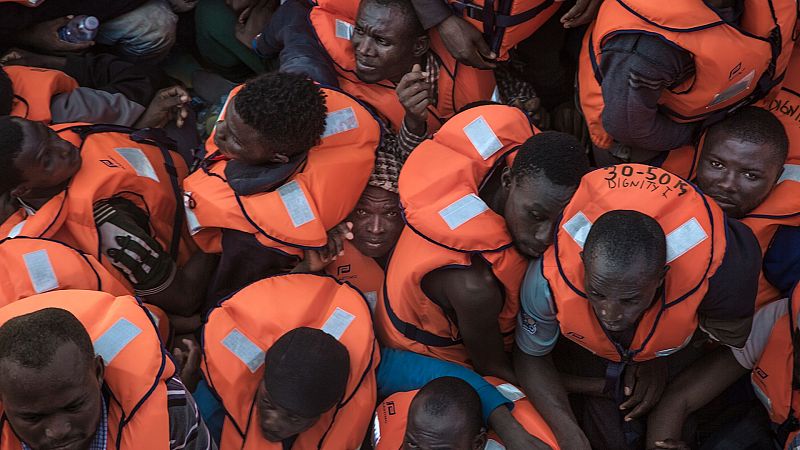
point(79, 29)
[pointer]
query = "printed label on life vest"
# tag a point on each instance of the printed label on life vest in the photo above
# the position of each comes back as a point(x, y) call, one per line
point(40, 271)
point(338, 323)
point(344, 30)
point(483, 138)
point(16, 230)
point(116, 338)
point(340, 121)
point(243, 348)
point(510, 392)
point(684, 238)
point(296, 203)
point(578, 228)
point(734, 90)
point(791, 172)
point(491, 444)
point(137, 159)
point(647, 179)
point(463, 210)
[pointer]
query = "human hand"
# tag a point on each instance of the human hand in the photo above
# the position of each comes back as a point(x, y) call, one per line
point(567, 119)
point(19, 57)
point(182, 6)
point(514, 436)
point(188, 361)
point(252, 21)
point(644, 384)
point(466, 43)
point(414, 93)
point(317, 260)
point(582, 13)
point(168, 104)
point(44, 36)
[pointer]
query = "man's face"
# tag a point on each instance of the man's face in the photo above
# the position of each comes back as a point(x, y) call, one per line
point(277, 423)
point(383, 43)
point(46, 161)
point(239, 141)
point(58, 407)
point(377, 222)
point(738, 175)
point(532, 209)
point(424, 432)
point(619, 297)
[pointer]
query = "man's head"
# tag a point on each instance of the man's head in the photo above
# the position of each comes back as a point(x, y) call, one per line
point(272, 118)
point(546, 172)
point(624, 260)
point(35, 161)
point(6, 93)
point(388, 40)
point(446, 413)
point(50, 380)
point(305, 375)
point(742, 160)
point(377, 218)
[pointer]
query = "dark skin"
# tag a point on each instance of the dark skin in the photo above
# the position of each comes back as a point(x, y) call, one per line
point(377, 222)
point(385, 46)
point(738, 175)
point(449, 431)
point(58, 406)
point(239, 141)
point(472, 296)
point(276, 423)
point(619, 299)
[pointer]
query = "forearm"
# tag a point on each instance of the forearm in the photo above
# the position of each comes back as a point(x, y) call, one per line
point(541, 382)
point(584, 385)
point(486, 350)
point(186, 294)
point(431, 12)
point(692, 389)
point(137, 82)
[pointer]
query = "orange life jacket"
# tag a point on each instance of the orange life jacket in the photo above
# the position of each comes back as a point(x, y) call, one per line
point(734, 66)
point(137, 366)
point(242, 328)
point(361, 271)
point(782, 206)
point(772, 376)
point(34, 88)
point(459, 84)
point(28, 3)
point(391, 417)
point(695, 229)
point(113, 165)
point(297, 215)
point(51, 265)
point(448, 223)
point(506, 24)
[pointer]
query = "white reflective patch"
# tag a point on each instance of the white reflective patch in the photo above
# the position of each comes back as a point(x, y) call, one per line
point(482, 137)
point(340, 121)
point(376, 430)
point(116, 338)
point(344, 30)
point(762, 396)
point(296, 203)
point(496, 95)
point(578, 228)
point(243, 348)
point(372, 299)
point(153, 316)
point(224, 109)
point(734, 89)
point(40, 271)
point(684, 238)
point(491, 444)
point(670, 351)
point(137, 159)
point(791, 172)
point(338, 323)
point(510, 392)
point(462, 210)
point(192, 222)
point(16, 230)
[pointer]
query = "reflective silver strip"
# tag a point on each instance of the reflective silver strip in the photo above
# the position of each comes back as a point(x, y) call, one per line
point(791, 172)
point(735, 89)
point(338, 323)
point(670, 351)
point(224, 109)
point(510, 392)
point(192, 222)
point(116, 338)
point(491, 444)
point(344, 30)
point(463, 210)
point(153, 316)
point(376, 430)
point(16, 230)
point(296, 203)
point(684, 238)
point(40, 271)
point(340, 121)
point(482, 137)
point(578, 228)
point(372, 299)
point(496, 97)
point(138, 160)
point(243, 348)
point(762, 396)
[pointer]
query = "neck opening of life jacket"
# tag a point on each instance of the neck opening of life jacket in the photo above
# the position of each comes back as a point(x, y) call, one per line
point(694, 227)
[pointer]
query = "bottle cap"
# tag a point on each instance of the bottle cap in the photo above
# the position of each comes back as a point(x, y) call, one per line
point(91, 23)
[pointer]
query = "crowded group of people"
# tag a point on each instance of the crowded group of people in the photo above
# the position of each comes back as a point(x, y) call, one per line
point(399, 224)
